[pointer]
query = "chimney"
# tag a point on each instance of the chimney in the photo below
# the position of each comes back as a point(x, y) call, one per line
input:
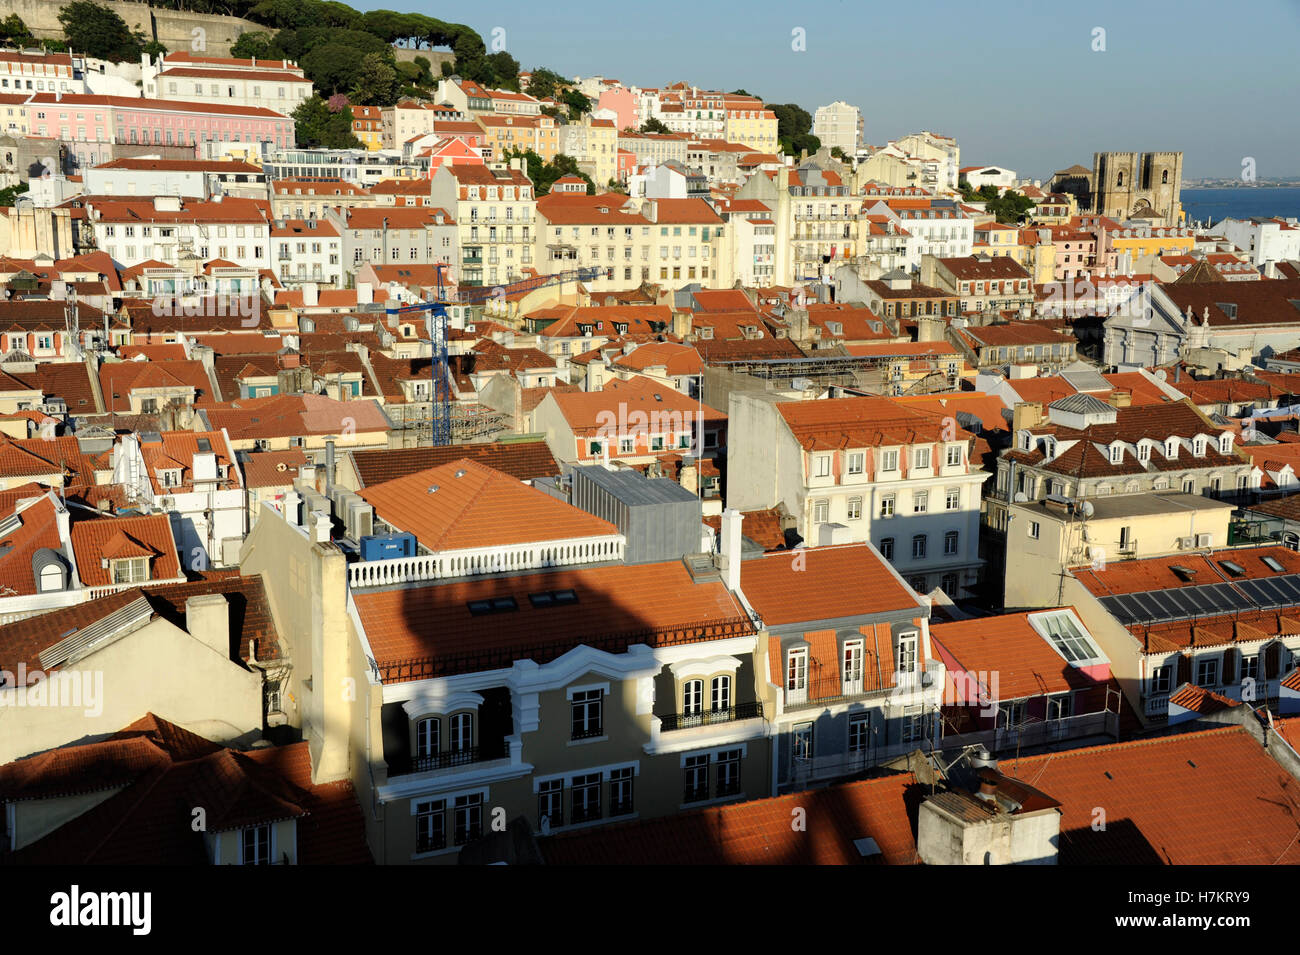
point(292, 501)
point(1120, 399)
point(319, 526)
point(310, 298)
point(207, 618)
point(828, 534)
point(1027, 414)
point(365, 295)
point(729, 548)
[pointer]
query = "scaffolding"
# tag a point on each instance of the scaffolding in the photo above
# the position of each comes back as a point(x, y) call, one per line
point(470, 422)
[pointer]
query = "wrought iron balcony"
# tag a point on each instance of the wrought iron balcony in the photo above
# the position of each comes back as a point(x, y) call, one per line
point(680, 721)
point(456, 757)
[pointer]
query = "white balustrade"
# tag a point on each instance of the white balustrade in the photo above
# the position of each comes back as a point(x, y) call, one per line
point(486, 560)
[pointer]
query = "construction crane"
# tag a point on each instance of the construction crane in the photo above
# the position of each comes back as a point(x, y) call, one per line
point(440, 413)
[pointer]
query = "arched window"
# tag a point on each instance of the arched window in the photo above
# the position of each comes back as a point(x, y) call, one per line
point(692, 697)
point(427, 733)
point(721, 696)
point(461, 736)
point(51, 578)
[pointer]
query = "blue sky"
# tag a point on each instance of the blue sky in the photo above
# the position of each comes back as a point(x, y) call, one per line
point(1018, 83)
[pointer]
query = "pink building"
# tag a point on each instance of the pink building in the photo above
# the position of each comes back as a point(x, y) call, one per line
point(624, 106)
point(91, 123)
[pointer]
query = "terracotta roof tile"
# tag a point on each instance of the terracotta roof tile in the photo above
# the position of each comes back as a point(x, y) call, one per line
point(467, 507)
point(822, 583)
point(429, 631)
point(166, 772)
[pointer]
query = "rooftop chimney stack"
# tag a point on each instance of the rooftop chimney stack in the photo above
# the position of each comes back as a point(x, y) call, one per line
point(207, 618)
point(729, 547)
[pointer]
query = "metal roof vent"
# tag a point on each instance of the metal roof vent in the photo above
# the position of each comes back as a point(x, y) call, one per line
point(432, 488)
point(460, 473)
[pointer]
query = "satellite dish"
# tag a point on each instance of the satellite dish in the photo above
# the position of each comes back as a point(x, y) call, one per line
point(1086, 509)
point(1021, 498)
point(1162, 375)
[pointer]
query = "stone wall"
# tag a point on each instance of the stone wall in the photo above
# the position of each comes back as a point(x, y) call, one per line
point(174, 29)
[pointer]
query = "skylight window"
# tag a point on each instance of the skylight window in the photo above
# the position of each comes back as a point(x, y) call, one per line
point(553, 598)
point(1236, 570)
point(1067, 636)
point(496, 605)
point(1272, 564)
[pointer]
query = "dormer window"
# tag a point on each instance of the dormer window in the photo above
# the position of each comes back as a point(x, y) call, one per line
point(1144, 453)
point(255, 845)
point(1198, 447)
point(131, 570)
point(1116, 453)
point(171, 477)
point(1171, 448)
point(1225, 443)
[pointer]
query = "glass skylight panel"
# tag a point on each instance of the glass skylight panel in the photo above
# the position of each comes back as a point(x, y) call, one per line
point(1067, 637)
point(1272, 564)
point(1236, 570)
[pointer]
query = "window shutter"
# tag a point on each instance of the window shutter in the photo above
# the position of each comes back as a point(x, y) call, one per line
point(1272, 662)
point(1184, 670)
point(1230, 658)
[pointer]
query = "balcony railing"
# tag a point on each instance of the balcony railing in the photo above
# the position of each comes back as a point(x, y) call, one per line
point(681, 721)
point(457, 757)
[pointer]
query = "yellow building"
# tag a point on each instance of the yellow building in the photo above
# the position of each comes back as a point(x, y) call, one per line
point(1141, 240)
point(13, 114)
point(541, 134)
point(368, 126)
point(755, 128)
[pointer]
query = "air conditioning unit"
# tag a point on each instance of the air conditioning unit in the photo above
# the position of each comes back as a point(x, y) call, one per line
point(167, 502)
point(1203, 540)
point(1186, 543)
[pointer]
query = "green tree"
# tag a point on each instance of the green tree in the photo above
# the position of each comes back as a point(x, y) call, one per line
point(503, 71)
point(792, 120)
point(838, 153)
point(740, 93)
point(1010, 207)
point(13, 29)
point(99, 32)
point(544, 174)
point(7, 196)
point(376, 82)
point(253, 44)
point(315, 124)
point(653, 125)
point(577, 102)
point(544, 83)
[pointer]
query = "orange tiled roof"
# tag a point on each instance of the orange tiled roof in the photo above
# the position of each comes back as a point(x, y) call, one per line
point(1205, 798)
point(166, 771)
point(118, 537)
point(430, 631)
point(1026, 664)
point(467, 506)
point(758, 832)
point(823, 583)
